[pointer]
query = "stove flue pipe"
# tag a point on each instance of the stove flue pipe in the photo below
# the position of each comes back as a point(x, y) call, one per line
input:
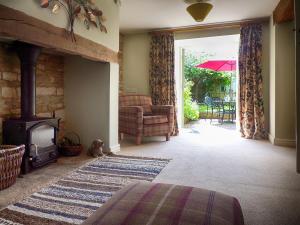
point(28, 55)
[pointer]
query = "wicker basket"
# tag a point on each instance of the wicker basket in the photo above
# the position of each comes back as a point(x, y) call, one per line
point(10, 164)
point(71, 145)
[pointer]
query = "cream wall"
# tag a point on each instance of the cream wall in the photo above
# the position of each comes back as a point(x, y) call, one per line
point(113, 107)
point(91, 99)
point(285, 81)
point(109, 8)
point(136, 59)
point(136, 63)
point(282, 84)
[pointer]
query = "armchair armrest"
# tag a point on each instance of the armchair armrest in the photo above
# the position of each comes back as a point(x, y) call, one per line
point(131, 120)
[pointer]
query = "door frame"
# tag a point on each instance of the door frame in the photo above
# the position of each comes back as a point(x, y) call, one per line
point(179, 73)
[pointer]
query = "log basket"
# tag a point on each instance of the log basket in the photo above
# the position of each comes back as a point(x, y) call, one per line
point(10, 164)
point(70, 145)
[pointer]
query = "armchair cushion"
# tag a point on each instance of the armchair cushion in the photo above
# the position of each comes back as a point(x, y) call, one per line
point(156, 129)
point(155, 119)
point(167, 110)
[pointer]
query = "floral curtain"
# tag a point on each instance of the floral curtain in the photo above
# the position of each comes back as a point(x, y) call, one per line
point(162, 77)
point(252, 120)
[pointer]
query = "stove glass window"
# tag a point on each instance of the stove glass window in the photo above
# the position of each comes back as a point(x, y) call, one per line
point(43, 136)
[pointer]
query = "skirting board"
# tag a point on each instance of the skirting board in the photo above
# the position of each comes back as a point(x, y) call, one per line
point(282, 142)
point(115, 148)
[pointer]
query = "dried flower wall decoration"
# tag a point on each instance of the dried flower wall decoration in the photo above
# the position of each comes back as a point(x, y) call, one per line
point(84, 10)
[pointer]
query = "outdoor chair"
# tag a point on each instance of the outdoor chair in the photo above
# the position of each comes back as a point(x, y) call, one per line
point(215, 104)
point(138, 117)
point(229, 108)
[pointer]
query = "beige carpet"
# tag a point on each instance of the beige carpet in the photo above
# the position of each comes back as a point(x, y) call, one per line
point(260, 175)
point(263, 177)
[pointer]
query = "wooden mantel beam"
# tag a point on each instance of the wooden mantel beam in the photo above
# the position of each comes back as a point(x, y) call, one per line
point(284, 11)
point(19, 26)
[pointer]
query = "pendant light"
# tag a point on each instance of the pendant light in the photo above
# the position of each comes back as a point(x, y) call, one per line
point(199, 9)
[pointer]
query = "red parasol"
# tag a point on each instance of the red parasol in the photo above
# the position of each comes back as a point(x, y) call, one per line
point(219, 65)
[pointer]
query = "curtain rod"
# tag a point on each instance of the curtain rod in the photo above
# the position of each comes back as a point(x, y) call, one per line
point(234, 24)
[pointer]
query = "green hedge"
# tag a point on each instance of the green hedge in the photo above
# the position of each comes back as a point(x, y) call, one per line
point(191, 108)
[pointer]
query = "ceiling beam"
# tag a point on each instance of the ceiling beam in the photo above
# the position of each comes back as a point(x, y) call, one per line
point(284, 12)
point(19, 26)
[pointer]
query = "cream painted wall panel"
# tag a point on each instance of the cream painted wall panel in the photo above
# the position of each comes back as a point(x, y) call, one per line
point(87, 89)
point(282, 84)
point(114, 108)
point(136, 63)
point(110, 10)
point(285, 81)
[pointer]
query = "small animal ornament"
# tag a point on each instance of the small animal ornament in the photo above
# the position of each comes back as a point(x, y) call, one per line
point(96, 149)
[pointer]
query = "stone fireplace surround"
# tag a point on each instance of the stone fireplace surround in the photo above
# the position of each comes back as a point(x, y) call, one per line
point(49, 86)
point(80, 82)
point(83, 93)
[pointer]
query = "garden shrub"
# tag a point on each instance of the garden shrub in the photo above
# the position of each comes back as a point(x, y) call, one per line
point(191, 108)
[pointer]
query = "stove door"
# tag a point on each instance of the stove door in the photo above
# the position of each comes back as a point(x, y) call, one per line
point(43, 136)
point(42, 144)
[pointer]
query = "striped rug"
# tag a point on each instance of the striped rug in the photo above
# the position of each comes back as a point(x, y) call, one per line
point(76, 196)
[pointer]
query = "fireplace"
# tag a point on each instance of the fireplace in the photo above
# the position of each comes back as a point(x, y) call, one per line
point(38, 134)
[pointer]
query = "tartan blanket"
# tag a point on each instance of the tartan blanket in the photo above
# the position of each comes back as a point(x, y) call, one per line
point(166, 204)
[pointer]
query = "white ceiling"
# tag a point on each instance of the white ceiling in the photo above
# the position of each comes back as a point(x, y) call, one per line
point(141, 15)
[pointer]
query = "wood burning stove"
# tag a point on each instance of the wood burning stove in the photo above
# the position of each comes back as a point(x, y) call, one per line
point(38, 134)
point(39, 137)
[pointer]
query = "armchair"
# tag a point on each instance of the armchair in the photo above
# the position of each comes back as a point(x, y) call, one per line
point(138, 117)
